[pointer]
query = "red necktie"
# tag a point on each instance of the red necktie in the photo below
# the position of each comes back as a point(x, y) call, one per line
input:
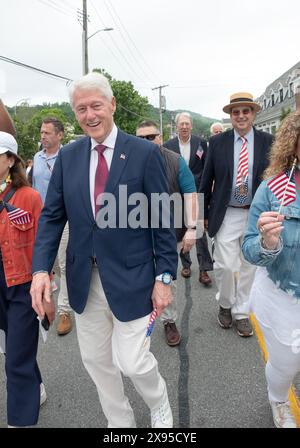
point(241, 188)
point(100, 176)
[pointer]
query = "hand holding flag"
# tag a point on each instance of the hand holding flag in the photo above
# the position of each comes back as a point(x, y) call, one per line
point(150, 326)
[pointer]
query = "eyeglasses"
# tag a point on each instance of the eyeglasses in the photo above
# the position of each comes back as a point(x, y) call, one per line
point(237, 112)
point(150, 137)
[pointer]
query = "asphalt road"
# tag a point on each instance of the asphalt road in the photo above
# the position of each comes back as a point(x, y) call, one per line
point(215, 378)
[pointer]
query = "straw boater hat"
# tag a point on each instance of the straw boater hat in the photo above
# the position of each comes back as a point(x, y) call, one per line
point(241, 99)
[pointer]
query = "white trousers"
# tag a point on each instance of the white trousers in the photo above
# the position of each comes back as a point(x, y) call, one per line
point(282, 366)
point(59, 267)
point(234, 275)
point(109, 347)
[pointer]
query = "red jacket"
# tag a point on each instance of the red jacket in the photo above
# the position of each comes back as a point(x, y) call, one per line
point(17, 240)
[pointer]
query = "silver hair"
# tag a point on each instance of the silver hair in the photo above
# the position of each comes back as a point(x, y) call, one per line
point(184, 114)
point(217, 123)
point(91, 81)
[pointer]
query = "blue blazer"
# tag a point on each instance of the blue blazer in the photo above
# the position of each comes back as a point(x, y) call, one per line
point(128, 259)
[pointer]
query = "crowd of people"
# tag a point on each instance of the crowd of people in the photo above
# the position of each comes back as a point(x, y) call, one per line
point(117, 277)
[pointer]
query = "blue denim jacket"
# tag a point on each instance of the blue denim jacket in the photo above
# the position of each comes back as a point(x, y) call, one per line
point(282, 265)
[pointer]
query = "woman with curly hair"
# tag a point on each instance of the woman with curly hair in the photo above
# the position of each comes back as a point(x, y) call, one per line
point(272, 242)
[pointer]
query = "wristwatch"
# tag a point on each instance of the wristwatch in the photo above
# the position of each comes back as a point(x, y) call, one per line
point(166, 278)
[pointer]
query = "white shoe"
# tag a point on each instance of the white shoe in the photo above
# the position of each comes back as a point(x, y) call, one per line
point(43, 396)
point(161, 416)
point(282, 415)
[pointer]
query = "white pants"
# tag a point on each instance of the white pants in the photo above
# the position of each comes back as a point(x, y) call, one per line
point(59, 267)
point(282, 366)
point(234, 275)
point(109, 347)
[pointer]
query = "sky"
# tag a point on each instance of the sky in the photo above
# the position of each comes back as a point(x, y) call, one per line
point(204, 51)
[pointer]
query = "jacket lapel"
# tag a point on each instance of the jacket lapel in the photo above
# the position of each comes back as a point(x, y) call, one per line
point(119, 161)
point(229, 152)
point(193, 152)
point(84, 164)
point(257, 155)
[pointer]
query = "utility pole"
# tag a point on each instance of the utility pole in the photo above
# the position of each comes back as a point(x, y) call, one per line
point(85, 58)
point(161, 106)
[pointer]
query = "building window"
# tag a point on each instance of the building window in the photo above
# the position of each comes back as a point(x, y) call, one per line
point(273, 130)
point(272, 99)
point(281, 95)
point(265, 103)
point(291, 89)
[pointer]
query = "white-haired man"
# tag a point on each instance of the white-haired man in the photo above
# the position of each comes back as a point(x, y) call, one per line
point(216, 128)
point(116, 274)
point(193, 149)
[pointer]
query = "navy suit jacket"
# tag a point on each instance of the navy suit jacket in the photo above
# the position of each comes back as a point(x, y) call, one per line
point(218, 173)
point(128, 259)
point(197, 158)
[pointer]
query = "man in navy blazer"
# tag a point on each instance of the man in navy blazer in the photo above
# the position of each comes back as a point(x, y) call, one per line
point(227, 206)
point(116, 273)
point(193, 149)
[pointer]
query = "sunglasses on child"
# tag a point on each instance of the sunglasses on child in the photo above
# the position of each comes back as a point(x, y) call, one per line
point(150, 137)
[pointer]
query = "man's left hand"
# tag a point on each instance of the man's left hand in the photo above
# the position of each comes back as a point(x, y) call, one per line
point(161, 296)
point(188, 240)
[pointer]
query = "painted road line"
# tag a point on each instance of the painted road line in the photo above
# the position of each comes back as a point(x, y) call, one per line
point(294, 399)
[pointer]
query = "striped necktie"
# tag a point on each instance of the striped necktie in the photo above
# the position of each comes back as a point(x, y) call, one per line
point(241, 188)
point(101, 176)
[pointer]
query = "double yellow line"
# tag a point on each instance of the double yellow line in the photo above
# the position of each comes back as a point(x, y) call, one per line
point(294, 400)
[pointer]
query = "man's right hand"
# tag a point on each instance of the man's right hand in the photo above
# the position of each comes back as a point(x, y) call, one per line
point(41, 292)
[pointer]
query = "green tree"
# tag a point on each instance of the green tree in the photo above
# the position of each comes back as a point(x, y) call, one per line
point(284, 113)
point(28, 133)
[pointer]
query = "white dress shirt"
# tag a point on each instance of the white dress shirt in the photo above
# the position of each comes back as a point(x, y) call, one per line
point(185, 150)
point(110, 143)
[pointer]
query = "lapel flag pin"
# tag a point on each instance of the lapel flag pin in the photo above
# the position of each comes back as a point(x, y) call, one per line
point(123, 156)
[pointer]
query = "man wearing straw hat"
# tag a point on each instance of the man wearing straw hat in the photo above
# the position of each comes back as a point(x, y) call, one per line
point(235, 162)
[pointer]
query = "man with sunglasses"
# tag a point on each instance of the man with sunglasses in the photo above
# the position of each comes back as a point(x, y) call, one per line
point(180, 180)
point(233, 171)
point(193, 149)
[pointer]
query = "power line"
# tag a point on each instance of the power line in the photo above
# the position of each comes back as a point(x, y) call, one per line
point(116, 45)
point(30, 67)
point(132, 41)
point(44, 72)
point(54, 7)
point(138, 62)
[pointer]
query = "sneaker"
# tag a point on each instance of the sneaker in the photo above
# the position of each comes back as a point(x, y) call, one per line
point(244, 328)
point(172, 334)
point(282, 416)
point(161, 416)
point(43, 395)
point(64, 325)
point(224, 317)
point(186, 272)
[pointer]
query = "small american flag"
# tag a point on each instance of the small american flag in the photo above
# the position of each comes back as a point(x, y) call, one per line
point(283, 187)
point(150, 326)
point(17, 215)
point(199, 153)
point(152, 318)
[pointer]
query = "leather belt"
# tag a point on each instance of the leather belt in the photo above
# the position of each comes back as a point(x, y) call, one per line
point(240, 206)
